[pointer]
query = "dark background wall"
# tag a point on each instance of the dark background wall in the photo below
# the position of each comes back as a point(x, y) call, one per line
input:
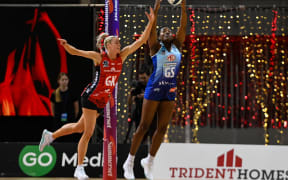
point(15, 31)
point(205, 3)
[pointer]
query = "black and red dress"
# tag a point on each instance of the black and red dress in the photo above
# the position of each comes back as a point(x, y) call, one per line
point(96, 95)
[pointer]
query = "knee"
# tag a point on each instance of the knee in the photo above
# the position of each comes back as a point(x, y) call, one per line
point(143, 127)
point(78, 128)
point(88, 134)
point(162, 129)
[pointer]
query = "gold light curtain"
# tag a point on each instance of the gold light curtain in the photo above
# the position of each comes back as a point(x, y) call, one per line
point(234, 67)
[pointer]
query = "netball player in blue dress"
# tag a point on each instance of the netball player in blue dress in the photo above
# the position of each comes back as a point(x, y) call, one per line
point(160, 91)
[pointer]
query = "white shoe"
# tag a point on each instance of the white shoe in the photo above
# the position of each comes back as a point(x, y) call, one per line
point(128, 170)
point(46, 139)
point(148, 168)
point(80, 173)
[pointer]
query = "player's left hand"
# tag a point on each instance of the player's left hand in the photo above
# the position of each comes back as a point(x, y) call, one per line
point(151, 15)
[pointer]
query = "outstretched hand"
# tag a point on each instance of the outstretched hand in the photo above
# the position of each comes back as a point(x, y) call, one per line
point(62, 42)
point(183, 3)
point(157, 4)
point(151, 15)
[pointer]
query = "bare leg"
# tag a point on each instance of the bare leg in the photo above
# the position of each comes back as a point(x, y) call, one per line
point(128, 132)
point(148, 110)
point(165, 110)
point(70, 128)
point(90, 117)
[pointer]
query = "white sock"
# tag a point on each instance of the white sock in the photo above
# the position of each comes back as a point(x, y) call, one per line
point(150, 159)
point(131, 158)
point(51, 139)
point(80, 166)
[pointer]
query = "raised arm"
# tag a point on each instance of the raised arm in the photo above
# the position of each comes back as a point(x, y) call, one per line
point(95, 56)
point(153, 41)
point(126, 51)
point(181, 33)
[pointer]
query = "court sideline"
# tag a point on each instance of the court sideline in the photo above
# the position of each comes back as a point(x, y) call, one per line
point(47, 178)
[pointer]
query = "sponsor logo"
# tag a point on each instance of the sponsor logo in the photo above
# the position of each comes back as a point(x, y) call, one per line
point(113, 69)
point(164, 83)
point(229, 160)
point(116, 11)
point(108, 115)
point(156, 89)
point(94, 83)
point(105, 63)
point(229, 166)
point(169, 64)
point(35, 163)
point(173, 89)
point(171, 57)
point(110, 80)
point(107, 15)
point(110, 146)
point(93, 161)
point(111, 152)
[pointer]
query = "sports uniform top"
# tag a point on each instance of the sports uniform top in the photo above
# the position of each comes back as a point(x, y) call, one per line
point(106, 77)
point(162, 82)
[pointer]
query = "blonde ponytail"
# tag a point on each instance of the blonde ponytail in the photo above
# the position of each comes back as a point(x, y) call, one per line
point(100, 40)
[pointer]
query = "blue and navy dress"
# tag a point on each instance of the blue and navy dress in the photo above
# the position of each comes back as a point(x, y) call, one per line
point(163, 81)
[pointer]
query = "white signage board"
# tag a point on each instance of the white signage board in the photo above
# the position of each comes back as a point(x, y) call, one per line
point(221, 161)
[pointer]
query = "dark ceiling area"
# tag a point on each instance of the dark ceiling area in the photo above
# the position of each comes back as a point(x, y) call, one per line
point(205, 3)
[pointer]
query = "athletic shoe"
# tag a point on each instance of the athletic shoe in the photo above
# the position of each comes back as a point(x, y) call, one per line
point(148, 168)
point(46, 139)
point(128, 170)
point(80, 173)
